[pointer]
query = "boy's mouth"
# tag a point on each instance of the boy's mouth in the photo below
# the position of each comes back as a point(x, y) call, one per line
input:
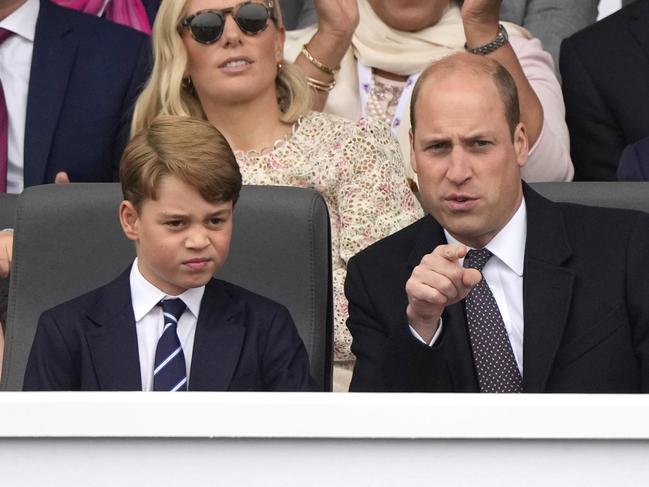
point(197, 264)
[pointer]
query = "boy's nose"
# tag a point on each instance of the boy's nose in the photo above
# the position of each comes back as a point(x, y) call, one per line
point(197, 240)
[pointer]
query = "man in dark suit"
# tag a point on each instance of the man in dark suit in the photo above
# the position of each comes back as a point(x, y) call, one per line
point(165, 323)
point(560, 304)
point(605, 69)
point(70, 82)
point(84, 78)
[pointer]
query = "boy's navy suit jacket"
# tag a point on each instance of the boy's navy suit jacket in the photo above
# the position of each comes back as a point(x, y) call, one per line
point(243, 342)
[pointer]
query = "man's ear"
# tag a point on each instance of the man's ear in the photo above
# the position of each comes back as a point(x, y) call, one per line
point(413, 159)
point(129, 219)
point(521, 144)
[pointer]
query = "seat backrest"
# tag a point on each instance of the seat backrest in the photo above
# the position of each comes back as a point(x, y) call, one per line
point(68, 241)
point(7, 209)
point(612, 194)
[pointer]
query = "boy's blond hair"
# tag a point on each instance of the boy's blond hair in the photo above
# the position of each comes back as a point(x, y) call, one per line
point(192, 150)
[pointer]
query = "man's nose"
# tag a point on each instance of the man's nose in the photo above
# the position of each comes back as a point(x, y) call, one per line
point(459, 166)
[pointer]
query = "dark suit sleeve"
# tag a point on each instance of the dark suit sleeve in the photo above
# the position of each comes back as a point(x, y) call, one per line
point(285, 363)
point(631, 167)
point(50, 366)
point(637, 291)
point(596, 140)
point(388, 357)
point(140, 74)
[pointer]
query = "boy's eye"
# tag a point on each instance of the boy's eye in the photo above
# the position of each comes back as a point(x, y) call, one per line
point(216, 221)
point(173, 223)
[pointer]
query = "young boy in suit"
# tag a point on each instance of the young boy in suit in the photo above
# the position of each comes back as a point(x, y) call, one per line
point(166, 323)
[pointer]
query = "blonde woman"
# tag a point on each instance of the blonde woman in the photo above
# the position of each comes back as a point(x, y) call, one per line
point(222, 60)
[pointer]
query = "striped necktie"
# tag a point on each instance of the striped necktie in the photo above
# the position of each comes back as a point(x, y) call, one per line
point(170, 372)
point(4, 125)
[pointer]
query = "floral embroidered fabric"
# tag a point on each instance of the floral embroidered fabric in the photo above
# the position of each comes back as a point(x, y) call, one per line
point(357, 167)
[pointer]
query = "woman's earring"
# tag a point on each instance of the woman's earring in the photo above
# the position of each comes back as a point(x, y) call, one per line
point(279, 67)
point(187, 84)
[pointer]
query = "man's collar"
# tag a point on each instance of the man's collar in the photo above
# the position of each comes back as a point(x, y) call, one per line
point(22, 21)
point(148, 296)
point(509, 243)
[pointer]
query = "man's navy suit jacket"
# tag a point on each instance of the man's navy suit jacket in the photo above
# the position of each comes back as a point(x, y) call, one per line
point(605, 69)
point(243, 342)
point(85, 76)
point(585, 307)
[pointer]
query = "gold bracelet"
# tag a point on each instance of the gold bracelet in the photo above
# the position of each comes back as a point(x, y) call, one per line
point(325, 69)
point(318, 85)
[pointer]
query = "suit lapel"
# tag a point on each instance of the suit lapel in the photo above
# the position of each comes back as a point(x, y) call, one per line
point(52, 60)
point(638, 21)
point(113, 340)
point(547, 289)
point(218, 341)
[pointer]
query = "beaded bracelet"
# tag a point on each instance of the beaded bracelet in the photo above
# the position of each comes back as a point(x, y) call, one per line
point(322, 67)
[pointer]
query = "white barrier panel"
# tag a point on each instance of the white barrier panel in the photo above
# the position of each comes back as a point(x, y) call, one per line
point(196, 439)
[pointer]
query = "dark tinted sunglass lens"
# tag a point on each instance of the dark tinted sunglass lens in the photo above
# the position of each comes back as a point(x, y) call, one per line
point(207, 27)
point(252, 17)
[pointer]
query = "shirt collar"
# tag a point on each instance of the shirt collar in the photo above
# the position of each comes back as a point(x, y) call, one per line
point(23, 20)
point(145, 296)
point(509, 243)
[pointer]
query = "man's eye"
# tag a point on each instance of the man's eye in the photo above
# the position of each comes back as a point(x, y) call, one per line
point(481, 143)
point(438, 146)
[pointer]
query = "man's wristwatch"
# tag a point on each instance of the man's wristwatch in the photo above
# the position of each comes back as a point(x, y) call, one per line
point(490, 47)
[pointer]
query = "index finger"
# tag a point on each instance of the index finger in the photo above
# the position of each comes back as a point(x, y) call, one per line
point(451, 252)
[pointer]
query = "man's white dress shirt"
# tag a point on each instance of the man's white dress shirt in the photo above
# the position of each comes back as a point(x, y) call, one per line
point(15, 67)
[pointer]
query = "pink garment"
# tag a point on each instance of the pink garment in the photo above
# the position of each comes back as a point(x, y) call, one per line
point(126, 12)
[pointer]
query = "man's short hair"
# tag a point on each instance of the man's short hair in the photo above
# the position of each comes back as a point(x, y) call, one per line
point(192, 150)
point(501, 78)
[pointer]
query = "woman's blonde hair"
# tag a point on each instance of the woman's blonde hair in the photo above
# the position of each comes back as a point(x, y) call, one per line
point(167, 92)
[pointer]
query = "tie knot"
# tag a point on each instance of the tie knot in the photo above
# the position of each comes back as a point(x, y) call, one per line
point(172, 308)
point(5, 34)
point(476, 259)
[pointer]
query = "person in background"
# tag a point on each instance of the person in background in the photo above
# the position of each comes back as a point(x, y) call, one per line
point(131, 13)
point(497, 289)
point(298, 13)
point(370, 69)
point(605, 73)
point(550, 21)
point(68, 83)
point(222, 60)
point(634, 163)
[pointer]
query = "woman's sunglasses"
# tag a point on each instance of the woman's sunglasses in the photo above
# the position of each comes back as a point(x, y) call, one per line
point(206, 26)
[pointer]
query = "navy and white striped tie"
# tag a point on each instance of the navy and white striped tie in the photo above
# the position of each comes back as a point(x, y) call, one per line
point(170, 372)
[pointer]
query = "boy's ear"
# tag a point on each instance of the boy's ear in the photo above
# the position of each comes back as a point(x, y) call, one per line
point(129, 219)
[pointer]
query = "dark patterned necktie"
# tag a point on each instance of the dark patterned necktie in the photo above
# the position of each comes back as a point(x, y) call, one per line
point(4, 125)
point(170, 373)
point(492, 352)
